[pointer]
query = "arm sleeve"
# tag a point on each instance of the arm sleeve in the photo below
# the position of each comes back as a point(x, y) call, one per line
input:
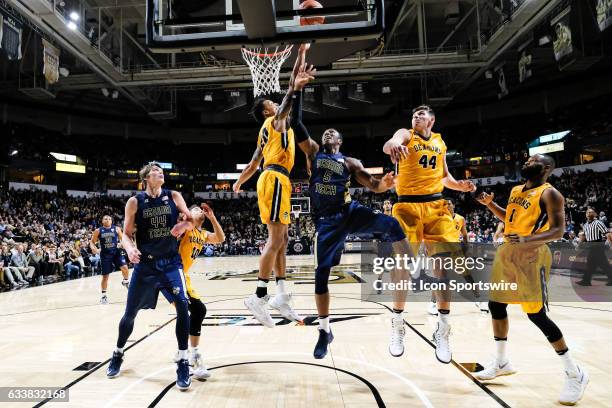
point(300, 131)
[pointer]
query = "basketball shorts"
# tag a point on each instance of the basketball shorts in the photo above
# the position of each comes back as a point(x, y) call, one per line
point(331, 232)
point(428, 222)
point(111, 262)
point(274, 197)
point(152, 276)
point(526, 266)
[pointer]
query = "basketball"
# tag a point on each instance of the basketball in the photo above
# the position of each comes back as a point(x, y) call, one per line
point(309, 4)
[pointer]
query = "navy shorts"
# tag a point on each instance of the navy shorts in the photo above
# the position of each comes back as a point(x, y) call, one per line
point(151, 276)
point(356, 219)
point(111, 262)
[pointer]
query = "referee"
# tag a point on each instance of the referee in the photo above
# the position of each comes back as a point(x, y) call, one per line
point(595, 234)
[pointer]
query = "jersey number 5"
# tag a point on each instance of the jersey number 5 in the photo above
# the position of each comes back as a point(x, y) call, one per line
point(431, 163)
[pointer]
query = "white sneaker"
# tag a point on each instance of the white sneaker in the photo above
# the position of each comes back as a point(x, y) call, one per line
point(440, 338)
point(259, 308)
point(494, 370)
point(574, 387)
point(432, 308)
point(104, 300)
point(199, 370)
point(280, 302)
point(398, 331)
point(483, 307)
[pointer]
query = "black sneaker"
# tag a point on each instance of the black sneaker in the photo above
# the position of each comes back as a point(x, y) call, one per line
point(583, 283)
point(325, 338)
point(183, 380)
point(114, 368)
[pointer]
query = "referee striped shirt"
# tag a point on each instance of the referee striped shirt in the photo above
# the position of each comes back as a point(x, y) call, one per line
point(594, 231)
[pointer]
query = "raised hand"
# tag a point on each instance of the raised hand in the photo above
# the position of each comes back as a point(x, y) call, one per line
point(208, 212)
point(398, 152)
point(304, 76)
point(467, 186)
point(388, 180)
point(485, 198)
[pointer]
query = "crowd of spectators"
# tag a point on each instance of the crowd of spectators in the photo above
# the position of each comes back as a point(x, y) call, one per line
point(45, 236)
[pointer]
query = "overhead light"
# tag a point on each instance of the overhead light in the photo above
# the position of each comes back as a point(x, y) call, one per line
point(544, 40)
point(105, 92)
point(13, 153)
point(71, 25)
point(64, 71)
point(386, 89)
point(74, 16)
point(115, 94)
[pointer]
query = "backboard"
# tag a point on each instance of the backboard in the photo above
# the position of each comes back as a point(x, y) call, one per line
point(222, 27)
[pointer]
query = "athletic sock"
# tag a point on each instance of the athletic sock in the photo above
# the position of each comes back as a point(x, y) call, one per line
point(570, 365)
point(280, 285)
point(195, 350)
point(443, 316)
point(397, 313)
point(182, 355)
point(119, 350)
point(324, 323)
point(500, 344)
point(262, 287)
point(104, 292)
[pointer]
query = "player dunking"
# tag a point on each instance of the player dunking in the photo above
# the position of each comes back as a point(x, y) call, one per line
point(157, 264)
point(276, 146)
point(420, 155)
point(191, 244)
point(534, 216)
point(110, 254)
point(336, 216)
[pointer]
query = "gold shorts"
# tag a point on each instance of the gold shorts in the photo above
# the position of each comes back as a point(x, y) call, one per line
point(428, 222)
point(274, 197)
point(529, 268)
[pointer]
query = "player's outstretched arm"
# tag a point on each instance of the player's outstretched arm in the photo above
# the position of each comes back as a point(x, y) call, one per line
point(94, 239)
point(217, 236)
point(486, 199)
point(449, 181)
point(555, 210)
point(129, 227)
point(396, 146)
point(355, 167)
point(305, 74)
point(302, 136)
point(249, 170)
point(299, 62)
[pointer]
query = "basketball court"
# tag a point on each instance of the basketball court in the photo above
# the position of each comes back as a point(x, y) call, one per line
point(58, 335)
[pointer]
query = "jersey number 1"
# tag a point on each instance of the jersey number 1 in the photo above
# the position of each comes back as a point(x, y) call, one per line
point(423, 161)
point(512, 215)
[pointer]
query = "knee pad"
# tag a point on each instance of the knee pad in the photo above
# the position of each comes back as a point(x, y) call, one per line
point(321, 280)
point(547, 326)
point(498, 310)
point(197, 311)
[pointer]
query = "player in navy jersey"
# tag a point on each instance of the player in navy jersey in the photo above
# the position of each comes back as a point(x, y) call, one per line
point(336, 215)
point(150, 230)
point(111, 257)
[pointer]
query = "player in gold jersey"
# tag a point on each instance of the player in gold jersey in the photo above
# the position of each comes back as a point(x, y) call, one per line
point(420, 156)
point(276, 146)
point(533, 217)
point(191, 244)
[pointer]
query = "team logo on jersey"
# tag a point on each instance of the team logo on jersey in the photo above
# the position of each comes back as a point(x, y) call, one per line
point(176, 290)
point(165, 198)
point(146, 200)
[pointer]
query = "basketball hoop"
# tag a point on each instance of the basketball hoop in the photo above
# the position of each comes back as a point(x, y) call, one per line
point(265, 65)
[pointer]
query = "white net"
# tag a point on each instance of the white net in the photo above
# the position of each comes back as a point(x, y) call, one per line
point(265, 65)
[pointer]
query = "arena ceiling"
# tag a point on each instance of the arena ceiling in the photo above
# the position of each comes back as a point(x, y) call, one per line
point(431, 52)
